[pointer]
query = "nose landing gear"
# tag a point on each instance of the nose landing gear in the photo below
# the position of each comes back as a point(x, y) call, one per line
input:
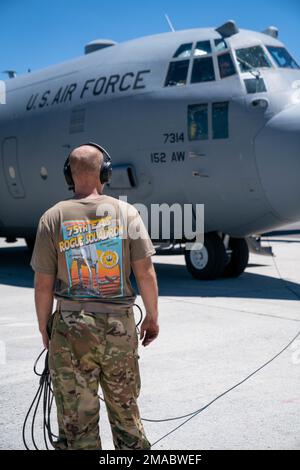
point(238, 257)
point(214, 260)
point(209, 262)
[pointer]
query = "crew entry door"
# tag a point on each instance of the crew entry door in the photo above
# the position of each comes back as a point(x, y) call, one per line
point(11, 167)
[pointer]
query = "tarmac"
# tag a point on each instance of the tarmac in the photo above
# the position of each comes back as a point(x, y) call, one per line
point(213, 334)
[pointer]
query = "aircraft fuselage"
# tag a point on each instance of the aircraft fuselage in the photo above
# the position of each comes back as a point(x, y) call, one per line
point(248, 180)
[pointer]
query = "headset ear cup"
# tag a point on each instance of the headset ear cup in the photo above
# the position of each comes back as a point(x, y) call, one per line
point(68, 174)
point(105, 172)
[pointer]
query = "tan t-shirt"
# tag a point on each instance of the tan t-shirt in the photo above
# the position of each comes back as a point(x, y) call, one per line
point(89, 244)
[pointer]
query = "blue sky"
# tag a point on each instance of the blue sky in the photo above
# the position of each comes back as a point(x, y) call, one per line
point(37, 33)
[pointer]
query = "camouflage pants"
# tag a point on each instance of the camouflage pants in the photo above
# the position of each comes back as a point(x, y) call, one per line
point(87, 350)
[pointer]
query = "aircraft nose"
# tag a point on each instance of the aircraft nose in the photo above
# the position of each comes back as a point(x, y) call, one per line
point(277, 150)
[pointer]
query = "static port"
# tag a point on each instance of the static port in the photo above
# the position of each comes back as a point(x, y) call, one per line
point(44, 173)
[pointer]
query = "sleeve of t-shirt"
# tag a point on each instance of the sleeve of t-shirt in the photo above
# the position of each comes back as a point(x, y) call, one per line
point(140, 246)
point(44, 256)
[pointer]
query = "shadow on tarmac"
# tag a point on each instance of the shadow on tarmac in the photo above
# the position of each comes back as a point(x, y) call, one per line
point(14, 267)
point(173, 280)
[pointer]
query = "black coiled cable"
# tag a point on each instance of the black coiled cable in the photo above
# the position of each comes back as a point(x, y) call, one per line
point(44, 394)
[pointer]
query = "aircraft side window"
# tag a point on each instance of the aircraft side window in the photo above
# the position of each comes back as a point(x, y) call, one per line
point(226, 66)
point(177, 73)
point(184, 50)
point(198, 121)
point(254, 56)
point(282, 57)
point(202, 48)
point(255, 85)
point(203, 70)
point(220, 45)
point(220, 120)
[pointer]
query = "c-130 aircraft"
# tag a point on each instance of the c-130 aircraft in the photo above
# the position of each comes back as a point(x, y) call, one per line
point(206, 116)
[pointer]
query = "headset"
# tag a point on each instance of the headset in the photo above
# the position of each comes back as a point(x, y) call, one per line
point(105, 170)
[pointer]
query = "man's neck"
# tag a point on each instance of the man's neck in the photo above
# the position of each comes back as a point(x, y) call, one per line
point(84, 194)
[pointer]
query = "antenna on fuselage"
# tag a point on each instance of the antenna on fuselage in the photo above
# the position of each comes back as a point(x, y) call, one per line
point(10, 73)
point(169, 23)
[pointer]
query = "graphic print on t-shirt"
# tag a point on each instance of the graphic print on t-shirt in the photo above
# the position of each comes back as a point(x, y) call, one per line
point(93, 254)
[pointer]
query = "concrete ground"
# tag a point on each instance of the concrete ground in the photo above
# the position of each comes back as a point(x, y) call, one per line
point(213, 334)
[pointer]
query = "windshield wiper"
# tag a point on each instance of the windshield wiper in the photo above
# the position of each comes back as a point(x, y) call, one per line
point(253, 70)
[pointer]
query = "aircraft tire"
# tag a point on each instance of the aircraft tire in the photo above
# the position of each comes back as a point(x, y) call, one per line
point(209, 262)
point(239, 257)
point(30, 243)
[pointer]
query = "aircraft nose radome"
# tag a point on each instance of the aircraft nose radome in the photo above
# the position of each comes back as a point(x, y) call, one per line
point(277, 149)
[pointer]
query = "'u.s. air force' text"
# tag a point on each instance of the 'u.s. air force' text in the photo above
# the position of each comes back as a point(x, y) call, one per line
point(102, 85)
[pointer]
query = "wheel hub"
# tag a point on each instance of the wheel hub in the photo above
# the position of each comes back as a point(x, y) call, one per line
point(199, 258)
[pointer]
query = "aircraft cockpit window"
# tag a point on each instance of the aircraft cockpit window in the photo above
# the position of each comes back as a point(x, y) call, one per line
point(282, 57)
point(177, 73)
point(226, 66)
point(252, 57)
point(203, 70)
point(184, 50)
point(255, 85)
point(220, 45)
point(202, 48)
point(220, 120)
point(198, 121)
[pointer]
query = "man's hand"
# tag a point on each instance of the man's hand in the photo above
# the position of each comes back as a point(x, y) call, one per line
point(45, 339)
point(44, 284)
point(145, 276)
point(149, 330)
